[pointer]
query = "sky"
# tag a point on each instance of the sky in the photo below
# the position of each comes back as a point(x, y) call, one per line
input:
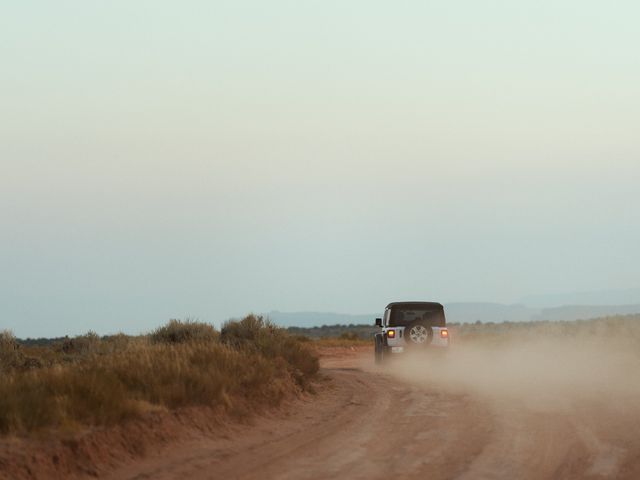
point(208, 159)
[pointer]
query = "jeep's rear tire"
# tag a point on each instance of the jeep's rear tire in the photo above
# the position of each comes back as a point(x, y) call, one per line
point(380, 353)
point(418, 335)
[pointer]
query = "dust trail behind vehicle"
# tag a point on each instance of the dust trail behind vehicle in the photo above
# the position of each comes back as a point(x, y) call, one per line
point(556, 400)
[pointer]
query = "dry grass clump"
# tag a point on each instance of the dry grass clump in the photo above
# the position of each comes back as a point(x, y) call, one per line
point(115, 379)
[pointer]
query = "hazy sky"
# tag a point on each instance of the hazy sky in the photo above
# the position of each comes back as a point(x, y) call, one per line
point(168, 159)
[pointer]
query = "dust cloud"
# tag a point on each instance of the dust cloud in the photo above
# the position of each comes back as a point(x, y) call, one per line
point(557, 400)
point(543, 373)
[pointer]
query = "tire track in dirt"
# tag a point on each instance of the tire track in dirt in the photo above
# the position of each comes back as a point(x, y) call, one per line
point(368, 423)
point(365, 425)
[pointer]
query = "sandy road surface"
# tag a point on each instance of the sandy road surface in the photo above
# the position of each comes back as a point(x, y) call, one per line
point(370, 424)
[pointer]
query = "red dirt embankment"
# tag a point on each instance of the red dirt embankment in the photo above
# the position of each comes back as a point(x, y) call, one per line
point(96, 452)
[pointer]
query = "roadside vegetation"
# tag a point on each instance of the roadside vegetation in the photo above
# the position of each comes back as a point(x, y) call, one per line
point(625, 328)
point(344, 340)
point(73, 383)
point(88, 380)
point(361, 332)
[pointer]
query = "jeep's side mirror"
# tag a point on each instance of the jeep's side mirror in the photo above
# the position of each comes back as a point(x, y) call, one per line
point(378, 322)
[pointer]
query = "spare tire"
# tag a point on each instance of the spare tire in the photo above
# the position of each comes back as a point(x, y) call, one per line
point(418, 334)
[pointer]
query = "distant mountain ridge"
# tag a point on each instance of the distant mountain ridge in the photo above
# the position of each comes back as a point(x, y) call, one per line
point(466, 312)
point(463, 312)
point(585, 312)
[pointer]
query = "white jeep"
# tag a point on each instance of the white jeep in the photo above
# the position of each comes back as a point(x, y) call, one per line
point(409, 326)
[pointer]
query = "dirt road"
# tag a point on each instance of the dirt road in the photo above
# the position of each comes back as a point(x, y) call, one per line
point(368, 423)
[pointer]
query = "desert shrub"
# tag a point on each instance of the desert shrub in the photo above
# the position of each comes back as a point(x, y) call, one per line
point(303, 363)
point(250, 331)
point(7, 340)
point(117, 343)
point(177, 331)
point(81, 344)
point(10, 354)
point(258, 334)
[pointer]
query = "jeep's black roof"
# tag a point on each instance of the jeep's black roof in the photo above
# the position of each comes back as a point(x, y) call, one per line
point(433, 305)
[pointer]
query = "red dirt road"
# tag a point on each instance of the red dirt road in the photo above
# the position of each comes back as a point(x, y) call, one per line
point(370, 423)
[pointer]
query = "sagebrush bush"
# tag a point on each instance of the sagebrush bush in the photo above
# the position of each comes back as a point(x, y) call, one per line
point(10, 354)
point(259, 334)
point(7, 340)
point(177, 331)
point(116, 343)
point(250, 331)
point(88, 343)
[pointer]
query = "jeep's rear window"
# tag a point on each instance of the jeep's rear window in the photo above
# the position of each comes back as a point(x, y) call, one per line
point(402, 316)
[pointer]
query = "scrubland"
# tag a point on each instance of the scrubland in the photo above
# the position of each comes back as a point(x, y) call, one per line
point(92, 381)
point(89, 380)
point(621, 328)
point(505, 396)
